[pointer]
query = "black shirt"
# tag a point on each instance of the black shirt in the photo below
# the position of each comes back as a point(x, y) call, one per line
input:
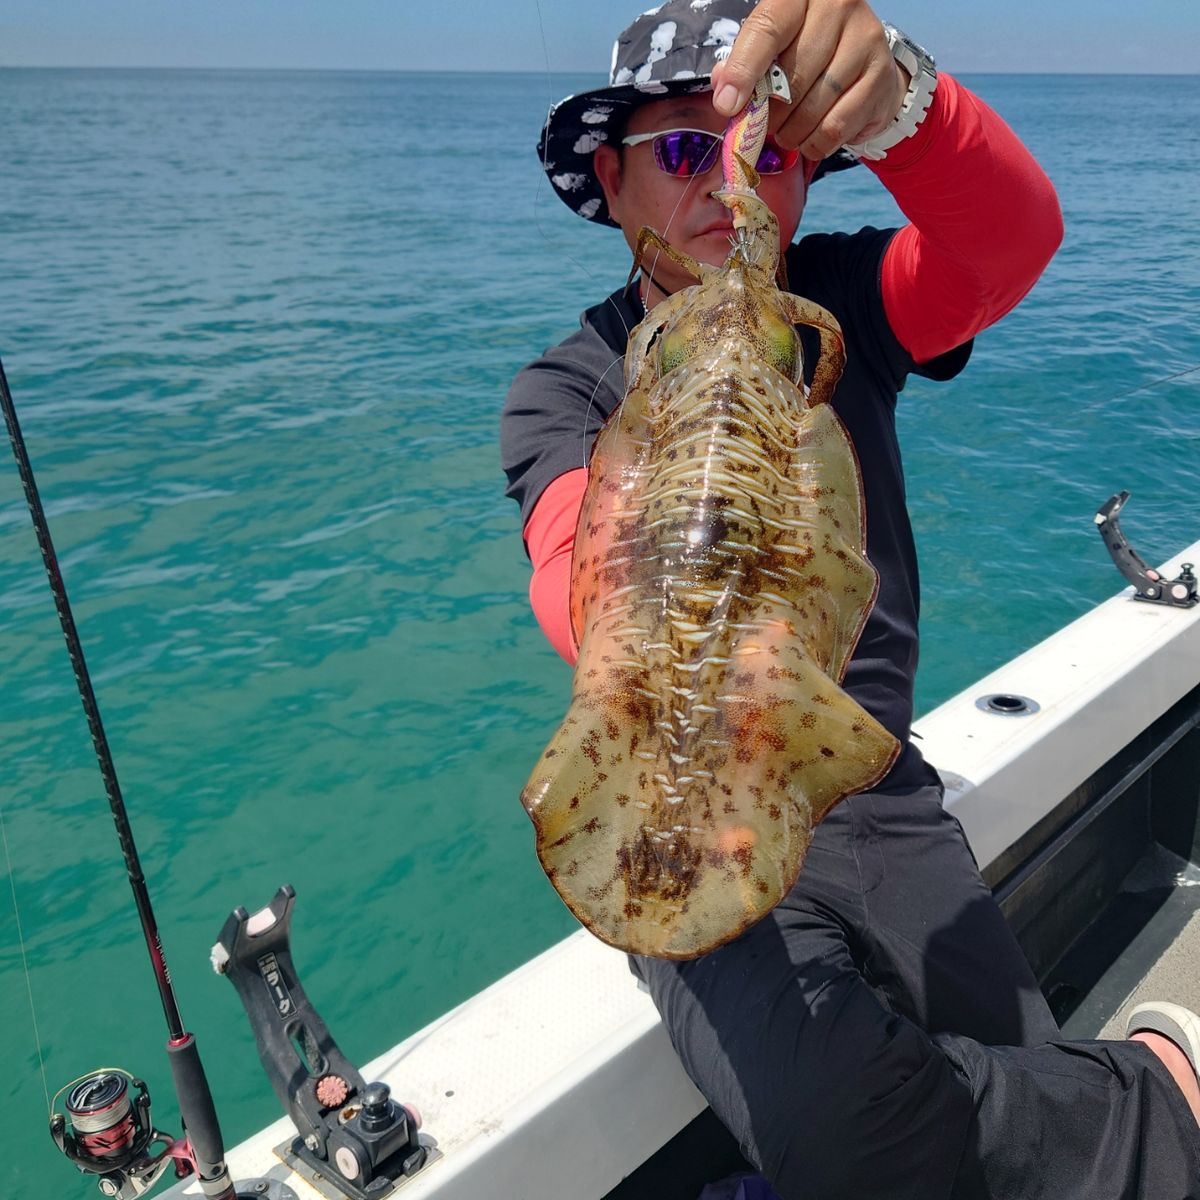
point(557, 405)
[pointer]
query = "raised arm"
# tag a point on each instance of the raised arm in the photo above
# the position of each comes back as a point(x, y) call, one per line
point(985, 218)
point(985, 222)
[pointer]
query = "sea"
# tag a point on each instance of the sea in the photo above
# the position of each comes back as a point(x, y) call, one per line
point(259, 326)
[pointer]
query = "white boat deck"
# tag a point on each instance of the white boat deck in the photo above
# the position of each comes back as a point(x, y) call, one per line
point(558, 1080)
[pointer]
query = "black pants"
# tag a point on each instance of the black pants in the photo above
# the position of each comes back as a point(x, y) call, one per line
point(880, 1034)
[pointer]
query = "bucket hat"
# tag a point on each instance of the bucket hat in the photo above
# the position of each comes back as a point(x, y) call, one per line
point(668, 51)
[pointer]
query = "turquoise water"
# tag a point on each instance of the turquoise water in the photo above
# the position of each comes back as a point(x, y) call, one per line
point(259, 327)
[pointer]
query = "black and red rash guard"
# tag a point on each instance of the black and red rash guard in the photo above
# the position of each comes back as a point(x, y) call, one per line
point(984, 222)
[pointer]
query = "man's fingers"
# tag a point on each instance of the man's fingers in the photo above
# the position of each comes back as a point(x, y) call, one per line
point(766, 32)
point(816, 83)
point(844, 81)
point(860, 110)
point(818, 139)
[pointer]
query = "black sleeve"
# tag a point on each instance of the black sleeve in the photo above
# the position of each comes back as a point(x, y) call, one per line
point(554, 410)
point(844, 272)
point(556, 406)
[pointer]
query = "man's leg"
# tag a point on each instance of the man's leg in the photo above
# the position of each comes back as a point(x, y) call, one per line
point(1073, 1121)
point(934, 942)
point(791, 1034)
point(826, 1089)
point(1052, 1119)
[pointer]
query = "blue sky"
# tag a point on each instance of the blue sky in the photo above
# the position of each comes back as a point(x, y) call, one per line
point(1097, 36)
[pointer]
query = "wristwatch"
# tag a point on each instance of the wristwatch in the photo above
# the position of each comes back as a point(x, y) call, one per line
point(923, 75)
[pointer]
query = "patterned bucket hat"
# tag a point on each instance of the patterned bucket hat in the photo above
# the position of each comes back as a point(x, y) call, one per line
point(668, 51)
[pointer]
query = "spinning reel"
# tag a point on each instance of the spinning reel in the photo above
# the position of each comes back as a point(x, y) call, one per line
point(108, 1133)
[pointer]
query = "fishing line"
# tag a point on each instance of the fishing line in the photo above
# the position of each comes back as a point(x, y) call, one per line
point(587, 412)
point(1143, 386)
point(575, 262)
point(546, 237)
point(645, 312)
point(12, 884)
point(582, 267)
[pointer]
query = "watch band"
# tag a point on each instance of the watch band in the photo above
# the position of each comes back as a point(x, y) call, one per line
point(923, 83)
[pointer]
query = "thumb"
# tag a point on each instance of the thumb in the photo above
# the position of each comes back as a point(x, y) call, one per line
point(727, 90)
point(771, 26)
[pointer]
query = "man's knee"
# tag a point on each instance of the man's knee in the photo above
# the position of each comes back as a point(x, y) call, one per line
point(866, 1129)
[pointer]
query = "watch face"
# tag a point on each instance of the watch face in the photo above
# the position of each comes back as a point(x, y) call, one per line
point(899, 37)
point(923, 55)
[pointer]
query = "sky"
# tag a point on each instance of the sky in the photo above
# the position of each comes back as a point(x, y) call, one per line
point(1094, 36)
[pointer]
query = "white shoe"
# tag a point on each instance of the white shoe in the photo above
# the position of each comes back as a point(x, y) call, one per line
point(1173, 1021)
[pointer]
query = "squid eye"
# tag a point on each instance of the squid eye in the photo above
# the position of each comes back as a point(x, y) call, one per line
point(673, 350)
point(783, 345)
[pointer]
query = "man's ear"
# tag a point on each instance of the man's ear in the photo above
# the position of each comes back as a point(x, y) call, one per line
point(607, 163)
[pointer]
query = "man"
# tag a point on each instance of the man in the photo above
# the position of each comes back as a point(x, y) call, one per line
point(879, 1033)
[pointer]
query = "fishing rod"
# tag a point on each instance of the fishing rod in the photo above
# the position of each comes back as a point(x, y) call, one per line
point(351, 1134)
point(107, 1132)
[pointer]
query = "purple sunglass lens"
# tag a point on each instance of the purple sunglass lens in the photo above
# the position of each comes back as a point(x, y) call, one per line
point(774, 158)
point(685, 152)
point(770, 161)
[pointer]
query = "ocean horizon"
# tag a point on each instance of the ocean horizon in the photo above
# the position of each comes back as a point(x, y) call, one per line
point(552, 74)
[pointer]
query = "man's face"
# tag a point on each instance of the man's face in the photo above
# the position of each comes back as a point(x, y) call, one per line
point(683, 210)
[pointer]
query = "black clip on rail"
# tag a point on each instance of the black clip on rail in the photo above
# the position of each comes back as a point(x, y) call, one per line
point(352, 1134)
point(1148, 584)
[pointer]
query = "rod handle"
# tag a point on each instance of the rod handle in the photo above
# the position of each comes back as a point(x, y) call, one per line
point(197, 1110)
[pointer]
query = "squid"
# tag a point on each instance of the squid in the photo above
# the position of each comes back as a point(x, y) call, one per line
point(719, 586)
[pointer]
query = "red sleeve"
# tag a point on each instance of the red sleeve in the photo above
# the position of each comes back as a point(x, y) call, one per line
point(550, 539)
point(985, 222)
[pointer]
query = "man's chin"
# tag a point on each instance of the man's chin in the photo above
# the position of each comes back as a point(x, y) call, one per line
point(713, 247)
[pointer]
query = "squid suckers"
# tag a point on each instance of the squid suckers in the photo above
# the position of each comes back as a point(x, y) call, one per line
point(719, 587)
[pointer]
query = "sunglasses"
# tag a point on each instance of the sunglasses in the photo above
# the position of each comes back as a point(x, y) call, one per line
point(688, 152)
